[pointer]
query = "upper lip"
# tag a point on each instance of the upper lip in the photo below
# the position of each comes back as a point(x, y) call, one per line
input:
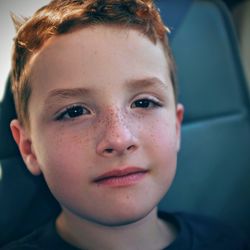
point(120, 172)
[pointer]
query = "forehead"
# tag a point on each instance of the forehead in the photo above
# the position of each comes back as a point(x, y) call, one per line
point(88, 54)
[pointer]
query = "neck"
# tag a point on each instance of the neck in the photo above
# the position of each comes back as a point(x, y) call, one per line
point(89, 235)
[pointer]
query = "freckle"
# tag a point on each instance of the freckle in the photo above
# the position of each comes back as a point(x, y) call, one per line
point(77, 139)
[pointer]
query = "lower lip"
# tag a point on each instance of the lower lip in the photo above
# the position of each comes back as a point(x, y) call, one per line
point(120, 181)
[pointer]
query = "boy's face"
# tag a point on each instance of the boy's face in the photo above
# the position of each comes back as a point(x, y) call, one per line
point(102, 101)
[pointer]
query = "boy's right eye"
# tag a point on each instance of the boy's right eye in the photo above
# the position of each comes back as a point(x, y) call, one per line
point(72, 112)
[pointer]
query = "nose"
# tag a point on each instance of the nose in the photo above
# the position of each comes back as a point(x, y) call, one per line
point(116, 137)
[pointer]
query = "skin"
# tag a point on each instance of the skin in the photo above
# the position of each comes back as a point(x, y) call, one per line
point(102, 74)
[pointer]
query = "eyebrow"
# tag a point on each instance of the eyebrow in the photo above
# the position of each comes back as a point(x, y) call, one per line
point(67, 93)
point(137, 84)
point(131, 85)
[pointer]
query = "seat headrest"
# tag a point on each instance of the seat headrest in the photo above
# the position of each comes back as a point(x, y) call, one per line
point(8, 146)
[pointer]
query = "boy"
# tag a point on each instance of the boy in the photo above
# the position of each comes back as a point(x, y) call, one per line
point(98, 116)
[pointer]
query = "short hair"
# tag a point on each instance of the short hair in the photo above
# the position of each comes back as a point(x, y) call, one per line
point(62, 16)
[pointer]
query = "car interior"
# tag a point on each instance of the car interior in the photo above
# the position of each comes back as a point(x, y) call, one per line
point(213, 176)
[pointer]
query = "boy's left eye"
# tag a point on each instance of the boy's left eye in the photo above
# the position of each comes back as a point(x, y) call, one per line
point(145, 103)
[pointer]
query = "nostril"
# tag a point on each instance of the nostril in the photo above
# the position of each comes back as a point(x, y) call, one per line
point(109, 150)
point(130, 147)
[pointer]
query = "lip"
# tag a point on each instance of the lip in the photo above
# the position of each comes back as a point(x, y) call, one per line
point(121, 177)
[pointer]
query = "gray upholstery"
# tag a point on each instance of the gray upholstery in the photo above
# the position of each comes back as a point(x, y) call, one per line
point(8, 146)
point(213, 175)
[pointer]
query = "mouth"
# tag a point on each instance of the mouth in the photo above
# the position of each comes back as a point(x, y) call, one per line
point(121, 177)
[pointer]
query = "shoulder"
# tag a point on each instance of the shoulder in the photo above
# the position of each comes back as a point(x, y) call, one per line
point(42, 238)
point(203, 232)
point(205, 226)
point(26, 243)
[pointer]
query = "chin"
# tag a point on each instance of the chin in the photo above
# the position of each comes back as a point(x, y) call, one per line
point(122, 217)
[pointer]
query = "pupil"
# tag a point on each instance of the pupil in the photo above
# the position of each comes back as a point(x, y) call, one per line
point(142, 103)
point(76, 111)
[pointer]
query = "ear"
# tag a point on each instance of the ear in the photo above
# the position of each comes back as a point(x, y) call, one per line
point(21, 137)
point(179, 118)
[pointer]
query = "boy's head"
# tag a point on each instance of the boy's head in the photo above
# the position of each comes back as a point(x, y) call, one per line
point(104, 125)
point(61, 17)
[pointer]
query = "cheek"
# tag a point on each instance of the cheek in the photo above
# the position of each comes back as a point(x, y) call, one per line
point(61, 154)
point(162, 148)
point(65, 159)
point(162, 135)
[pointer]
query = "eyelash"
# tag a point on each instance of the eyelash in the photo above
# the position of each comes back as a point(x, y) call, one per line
point(79, 110)
point(148, 101)
point(75, 110)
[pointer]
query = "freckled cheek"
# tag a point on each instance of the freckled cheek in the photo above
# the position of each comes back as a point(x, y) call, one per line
point(162, 135)
point(161, 141)
point(64, 150)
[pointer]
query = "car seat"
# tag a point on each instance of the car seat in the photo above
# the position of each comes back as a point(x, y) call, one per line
point(242, 22)
point(212, 176)
point(213, 173)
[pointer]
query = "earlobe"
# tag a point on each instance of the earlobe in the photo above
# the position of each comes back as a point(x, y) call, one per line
point(24, 143)
point(179, 118)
